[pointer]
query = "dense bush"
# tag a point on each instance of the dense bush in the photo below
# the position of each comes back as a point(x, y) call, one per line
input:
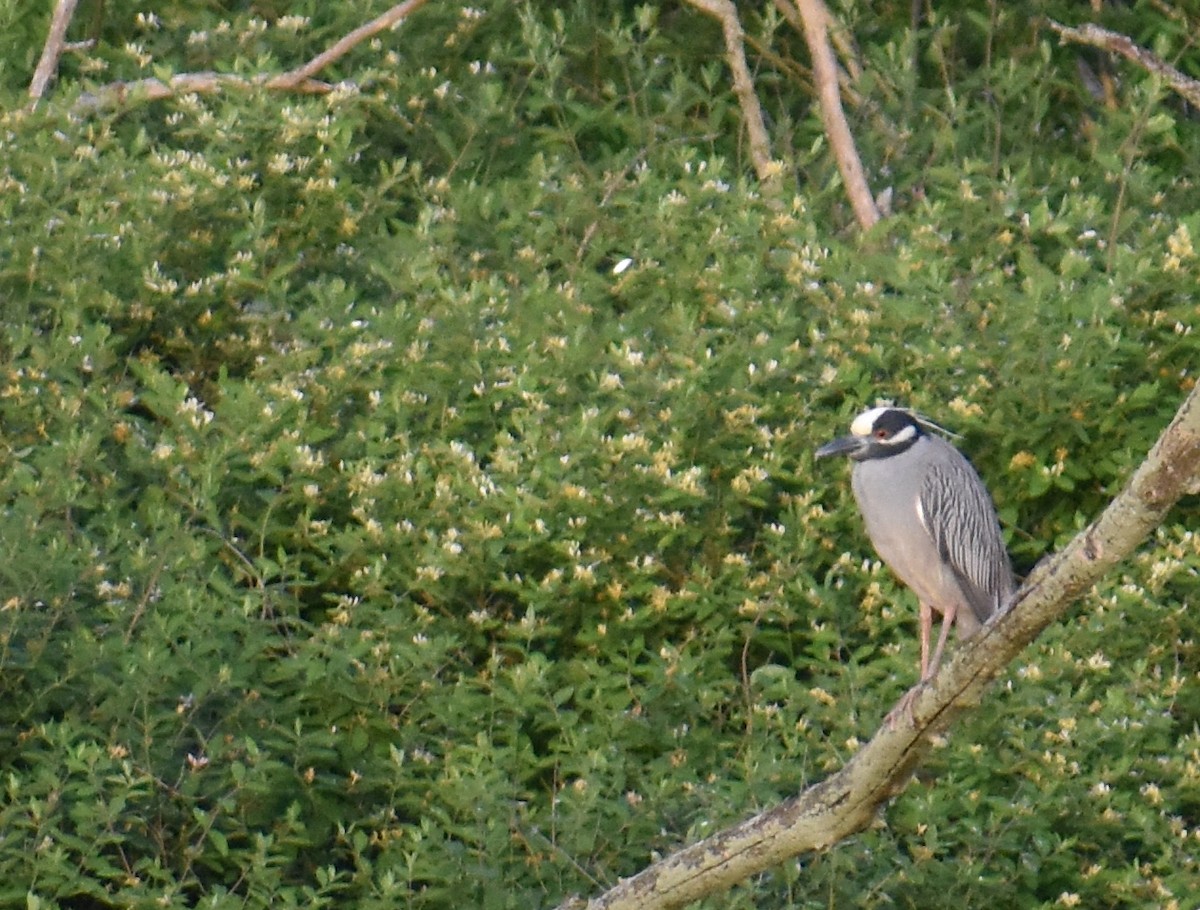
point(374, 539)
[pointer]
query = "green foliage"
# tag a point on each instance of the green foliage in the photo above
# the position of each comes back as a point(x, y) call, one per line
point(408, 497)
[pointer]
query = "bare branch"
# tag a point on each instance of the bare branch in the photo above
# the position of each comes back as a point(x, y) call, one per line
point(851, 71)
point(846, 50)
point(848, 801)
point(837, 34)
point(1116, 43)
point(296, 80)
point(743, 86)
point(789, 12)
point(391, 18)
point(52, 50)
point(117, 93)
point(816, 32)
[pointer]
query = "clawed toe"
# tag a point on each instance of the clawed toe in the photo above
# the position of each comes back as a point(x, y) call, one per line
point(904, 707)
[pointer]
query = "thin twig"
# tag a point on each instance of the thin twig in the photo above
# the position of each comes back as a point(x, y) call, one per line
point(725, 12)
point(1170, 12)
point(1116, 43)
point(816, 32)
point(1129, 153)
point(52, 50)
point(843, 43)
point(392, 17)
point(613, 181)
point(789, 12)
point(802, 76)
point(149, 594)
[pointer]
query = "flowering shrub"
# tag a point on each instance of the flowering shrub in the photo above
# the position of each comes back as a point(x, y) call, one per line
point(409, 496)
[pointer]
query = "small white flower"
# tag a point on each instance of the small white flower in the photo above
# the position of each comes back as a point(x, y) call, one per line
point(196, 413)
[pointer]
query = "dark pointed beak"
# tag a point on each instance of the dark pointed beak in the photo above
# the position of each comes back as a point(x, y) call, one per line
point(843, 445)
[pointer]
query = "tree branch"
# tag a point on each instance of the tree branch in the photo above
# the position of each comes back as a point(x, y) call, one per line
point(848, 801)
point(117, 93)
point(1116, 43)
point(47, 64)
point(391, 18)
point(299, 79)
point(816, 33)
point(837, 34)
point(848, 75)
point(725, 12)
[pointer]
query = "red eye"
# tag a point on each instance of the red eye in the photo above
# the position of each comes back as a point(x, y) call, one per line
point(882, 434)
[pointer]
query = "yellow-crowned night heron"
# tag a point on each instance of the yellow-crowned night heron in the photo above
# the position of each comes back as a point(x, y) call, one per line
point(931, 520)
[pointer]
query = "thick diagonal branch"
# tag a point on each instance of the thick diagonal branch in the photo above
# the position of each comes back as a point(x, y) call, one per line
point(847, 802)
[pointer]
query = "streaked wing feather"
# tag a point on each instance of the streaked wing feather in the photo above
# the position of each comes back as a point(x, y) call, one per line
point(960, 517)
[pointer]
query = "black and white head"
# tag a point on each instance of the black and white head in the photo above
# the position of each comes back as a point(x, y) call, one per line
point(876, 433)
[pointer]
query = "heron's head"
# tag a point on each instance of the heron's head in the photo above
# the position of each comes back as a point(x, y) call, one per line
point(876, 433)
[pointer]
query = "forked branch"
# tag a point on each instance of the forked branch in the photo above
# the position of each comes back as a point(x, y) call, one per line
point(56, 39)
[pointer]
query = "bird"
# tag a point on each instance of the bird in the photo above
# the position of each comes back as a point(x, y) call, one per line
point(932, 522)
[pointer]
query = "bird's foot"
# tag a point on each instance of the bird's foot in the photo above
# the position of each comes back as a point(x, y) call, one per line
point(904, 707)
